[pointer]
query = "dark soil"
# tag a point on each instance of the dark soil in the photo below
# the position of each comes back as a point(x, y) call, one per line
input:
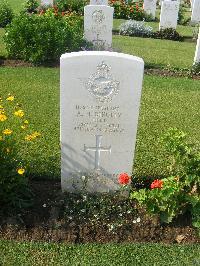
point(45, 221)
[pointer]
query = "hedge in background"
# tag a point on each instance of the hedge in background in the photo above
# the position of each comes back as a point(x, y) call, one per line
point(6, 14)
point(124, 10)
point(42, 39)
point(72, 5)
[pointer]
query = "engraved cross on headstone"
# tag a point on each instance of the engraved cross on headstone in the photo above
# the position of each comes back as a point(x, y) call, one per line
point(98, 149)
point(98, 42)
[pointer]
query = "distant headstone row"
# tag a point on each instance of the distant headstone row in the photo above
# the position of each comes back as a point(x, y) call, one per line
point(99, 2)
point(47, 2)
point(197, 53)
point(98, 23)
point(169, 14)
point(195, 11)
point(150, 7)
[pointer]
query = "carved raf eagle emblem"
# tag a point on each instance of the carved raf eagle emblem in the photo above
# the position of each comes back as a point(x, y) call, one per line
point(102, 85)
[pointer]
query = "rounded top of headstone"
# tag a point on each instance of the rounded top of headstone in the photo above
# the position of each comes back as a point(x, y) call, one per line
point(102, 53)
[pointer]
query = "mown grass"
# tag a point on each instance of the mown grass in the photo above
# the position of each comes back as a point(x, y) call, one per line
point(13, 253)
point(166, 102)
point(159, 53)
point(17, 5)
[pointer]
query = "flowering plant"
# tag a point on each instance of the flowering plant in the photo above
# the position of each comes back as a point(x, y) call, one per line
point(180, 192)
point(14, 134)
point(124, 179)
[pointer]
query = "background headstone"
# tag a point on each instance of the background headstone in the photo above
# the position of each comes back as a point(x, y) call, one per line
point(150, 7)
point(99, 2)
point(100, 99)
point(169, 14)
point(197, 53)
point(47, 2)
point(195, 18)
point(98, 24)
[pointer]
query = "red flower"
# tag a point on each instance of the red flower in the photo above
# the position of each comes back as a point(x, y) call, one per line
point(124, 179)
point(157, 184)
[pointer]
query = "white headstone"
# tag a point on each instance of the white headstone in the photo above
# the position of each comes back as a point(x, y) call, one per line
point(150, 7)
point(98, 24)
point(100, 99)
point(197, 53)
point(195, 11)
point(191, 3)
point(169, 14)
point(47, 2)
point(99, 2)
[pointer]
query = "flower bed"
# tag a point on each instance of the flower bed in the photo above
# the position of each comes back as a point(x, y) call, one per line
point(133, 10)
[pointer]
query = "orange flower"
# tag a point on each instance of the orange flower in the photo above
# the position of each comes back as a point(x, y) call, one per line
point(124, 179)
point(157, 184)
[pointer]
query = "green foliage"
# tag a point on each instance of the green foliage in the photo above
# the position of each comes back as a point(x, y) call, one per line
point(31, 6)
point(6, 14)
point(130, 10)
point(195, 70)
point(71, 5)
point(180, 15)
point(168, 34)
point(179, 192)
point(42, 39)
point(185, 160)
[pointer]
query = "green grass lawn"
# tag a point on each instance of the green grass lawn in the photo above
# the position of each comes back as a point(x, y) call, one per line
point(159, 53)
point(26, 254)
point(17, 5)
point(166, 102)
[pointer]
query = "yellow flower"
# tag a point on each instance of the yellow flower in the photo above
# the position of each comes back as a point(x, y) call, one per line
point(10, 98)
point(25, 121)
point(32, 136)
point(19, 113)
point(7, 131)
point(23, 127)
point(36, 134)
point(2, 117)
point(21, 171)
point(29, 137)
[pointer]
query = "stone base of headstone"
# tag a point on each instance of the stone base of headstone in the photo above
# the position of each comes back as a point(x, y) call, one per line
point(90, 183)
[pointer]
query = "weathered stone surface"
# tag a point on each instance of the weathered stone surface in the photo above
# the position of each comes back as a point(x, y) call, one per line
point(150, 7)
point(197, 53)
point(169, 14)
point(98, 24)
point(100, 99)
